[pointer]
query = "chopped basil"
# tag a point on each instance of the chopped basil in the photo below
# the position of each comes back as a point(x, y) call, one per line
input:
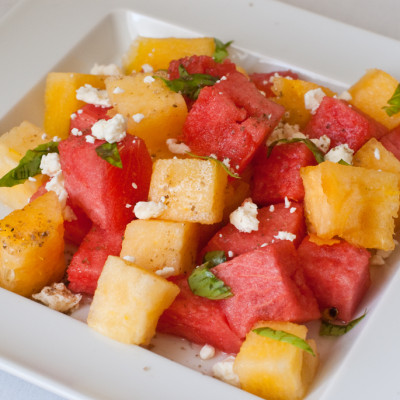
point(29, 165)
point(342, 162)
point(329, 329)
point(318, 154)
point(109, 152)
point(221, 52)
point(394, 103)
point(286, 337)
point(189, 84)
point(204, 283)
point(228, 171)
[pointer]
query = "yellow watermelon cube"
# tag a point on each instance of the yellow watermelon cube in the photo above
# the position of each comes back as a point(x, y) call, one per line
point(275, 370)
point(129, 301)
point(192, 189)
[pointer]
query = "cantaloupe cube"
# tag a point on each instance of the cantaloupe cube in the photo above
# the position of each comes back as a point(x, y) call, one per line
point(372, 92)
point(276, 370)
point(165, 246)
point(13, 146)
point(32, 246)
point(354, 203)
point(61, 102)
point(129, 301)
point(153, 111)
point(290, 94)
point(159, 52)
point(192, 189)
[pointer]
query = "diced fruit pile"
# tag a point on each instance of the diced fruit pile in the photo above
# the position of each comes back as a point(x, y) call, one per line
point(219, 206)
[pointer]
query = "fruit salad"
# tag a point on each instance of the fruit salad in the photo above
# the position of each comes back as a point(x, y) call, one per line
point(227, 207)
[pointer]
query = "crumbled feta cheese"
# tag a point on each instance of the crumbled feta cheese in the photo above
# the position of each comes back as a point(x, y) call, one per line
point(31, 179)
point(177, 148)
point(91, 95)
point(341, 152)
point(76, 132)
point(44, 136)
point(345, 95)
point(147, 68)
point(264, 245)
point(271, 208)
point(323, 143)
point(90, 139)
point(149, 209)
point(109, 69)
point(377, 154)
point(244, 218)
point(230, 253)
point(166, 272)
point(285, 131)
point(128, 205)
point(134, 185)
point(137, 117)
point(58, 298)
point(112, 130)
point(292, 210)
point(56, 184)
point(285, 236)
point(227, 162)
point(207, 352)
point(287, 202)
point(118, 90)
point(313, 98)
point(223, 370)
point(148, 79)
point(56, 139)
point(214, 156)
point(50, 164)
point(80, 111)
point(129, 258)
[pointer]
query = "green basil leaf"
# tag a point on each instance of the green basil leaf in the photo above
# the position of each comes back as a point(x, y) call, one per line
point(318, 154)
point(394, 103)
point(189, 84)
point(204, 283)
point(29, 165)
point(228, 171)
point(342, 162)
point(329, 329)
point(221, 52)
point(286, 337)
point(214, 258)
point(109, 152)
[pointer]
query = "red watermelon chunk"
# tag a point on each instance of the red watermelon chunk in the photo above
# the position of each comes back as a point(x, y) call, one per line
point(338, 274)
point(103, 191)
point(263, 81)
point(201, 65)
point(267, 284)
point(278, 176)
point(75, 230)
point(198, 320)
point(84, 118)
point(343, 123)
point(272, 220)
point(230, 120)
point(87, 263)
point(391, 141)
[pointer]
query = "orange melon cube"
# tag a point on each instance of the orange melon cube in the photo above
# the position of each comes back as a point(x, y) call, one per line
point(354, 203)
point(372, 92)
point(153, 111)
point(158, 53)
point(192, 189)
point(61, 102)
point(32, 246)
point(276, 370)
point(290, 94)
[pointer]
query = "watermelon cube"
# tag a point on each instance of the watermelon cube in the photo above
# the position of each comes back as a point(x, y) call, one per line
point(87, 263)
point(338, 274)
point(278, 176)
point(85, 117)
point(264, 80)
point(198, 320)
point(201, 65)
point(273, 220)
point(343, 123)
point(267, 284)
point(103, 191)
point(391, 141)
point(230, 120)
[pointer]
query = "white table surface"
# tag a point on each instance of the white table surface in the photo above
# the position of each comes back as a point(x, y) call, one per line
point(379, 16)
